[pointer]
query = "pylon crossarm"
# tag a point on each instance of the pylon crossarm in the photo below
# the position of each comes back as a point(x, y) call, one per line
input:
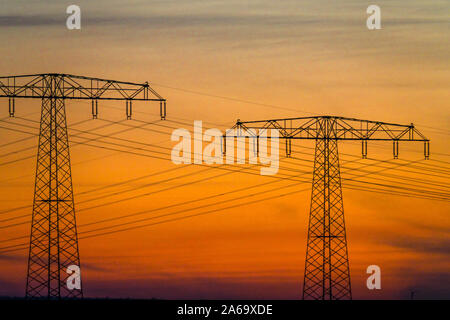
point(311, 128)
point(335, 128)
point(75, 87)
point(66, 86)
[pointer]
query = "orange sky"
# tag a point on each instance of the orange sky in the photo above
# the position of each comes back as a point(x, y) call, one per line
point(297, 59)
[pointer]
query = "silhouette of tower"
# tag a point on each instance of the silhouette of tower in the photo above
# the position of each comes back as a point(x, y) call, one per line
point(53, 251)
point(53, 240)
point(327, 272)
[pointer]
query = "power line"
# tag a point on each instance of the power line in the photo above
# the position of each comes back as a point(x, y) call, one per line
point(233, 191)
point(167, 148)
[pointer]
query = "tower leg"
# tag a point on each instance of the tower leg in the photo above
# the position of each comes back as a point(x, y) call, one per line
point(53, 239)
point(327, 274)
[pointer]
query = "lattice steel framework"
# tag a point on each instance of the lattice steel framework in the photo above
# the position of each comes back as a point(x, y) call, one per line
point(53, 239)
point(327, 272)
point(326, 265)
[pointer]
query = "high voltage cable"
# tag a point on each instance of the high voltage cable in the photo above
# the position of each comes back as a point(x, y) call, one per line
point(233, 191)
point(190, 201)
point(152, 218)
point(169, 188)
point(127, 140)
point(82, 193)
point(363, 182)
point(246, 188)
point(112, 107)
point(168, 148)
point(189, 124)
point(150, 129)
point(444, 131)
point(157, 209)
point(293, 147)
point(93, 190)
point(175, 128)
point(440, 161)
point(241, 101)
point(353, 179)
point(152, 151)
point(231, 99)
point(73, 164)
point(28, 148)
point(183, 184)
point(28, 157)
point(164, 221)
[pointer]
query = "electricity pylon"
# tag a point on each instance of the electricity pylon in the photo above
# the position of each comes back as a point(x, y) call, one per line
point(53, 240)
point(327, 272)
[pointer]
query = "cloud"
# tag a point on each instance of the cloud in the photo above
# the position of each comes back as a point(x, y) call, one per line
point(191, 20)
point(30, 21)
point(5, 257)
point(436, 245)
point(93, 267)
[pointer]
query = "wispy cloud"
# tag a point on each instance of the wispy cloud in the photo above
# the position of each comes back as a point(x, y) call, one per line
point(212, 19)
point(430, 245)
point(6, 257)
point(30, 21)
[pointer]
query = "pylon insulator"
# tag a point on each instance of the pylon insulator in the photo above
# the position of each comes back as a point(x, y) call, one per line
point(162, 110)
point(129, 109)
point(395, 149)
point(12, 107)
point(364, 149)
point(94, 109)
point(426, 150)
point(288, 148)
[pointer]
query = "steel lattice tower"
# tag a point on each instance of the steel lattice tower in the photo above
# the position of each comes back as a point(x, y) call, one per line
point(53, 240)
point(327, 272)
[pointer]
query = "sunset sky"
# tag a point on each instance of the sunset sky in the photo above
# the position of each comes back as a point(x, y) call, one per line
point(218, 61)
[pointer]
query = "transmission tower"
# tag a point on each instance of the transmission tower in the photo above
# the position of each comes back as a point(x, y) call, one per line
point(53, 239)
point(327, 272)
